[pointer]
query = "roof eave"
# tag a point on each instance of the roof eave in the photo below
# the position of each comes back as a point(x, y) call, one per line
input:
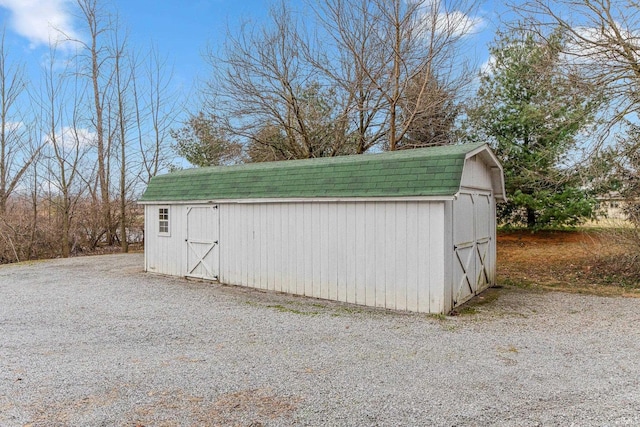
point(436, 198)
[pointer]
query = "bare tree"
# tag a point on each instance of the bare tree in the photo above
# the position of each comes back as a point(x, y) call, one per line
point(602, 41)
point(67, 147)
point(17, 149)
point(96, 53)
point(263, 79)
point(434, 111)
point(123, 76)
point(374, 70)
point(400, 62)
point(351, 25)
point(156, 108)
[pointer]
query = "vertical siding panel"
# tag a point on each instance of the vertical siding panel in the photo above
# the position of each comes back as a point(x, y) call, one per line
point(235, 240)
point(371, 253)
point(254, 270)
point(171, 246)
point(235, 243)
point(379, 251)
point(323, 210)
point(288, 246)
point(332, 267)
point(291, 231)
point(226, 228)
point(342, 239)
point(352, 236)
point(245, 249)
point(307, 248)
point(436, 231)
point(413, 257)
point(145, 242)
point(299, 252)
point(174, 250)
point(250, 266)
point(227, 243)
point(264, 246)
point(272, 243)
point(275, 240)
point(389, 263)
point(361, 263)
point(150, 244)
point(242, 236)
point(256, 246)
point(423, 256)
point(404, 253)
point(281, 262)
point(316, 242)
point(222, 264)
point(260, 250)
point(178, 259)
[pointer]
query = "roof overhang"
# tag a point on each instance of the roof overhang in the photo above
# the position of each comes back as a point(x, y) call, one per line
point(303, 200)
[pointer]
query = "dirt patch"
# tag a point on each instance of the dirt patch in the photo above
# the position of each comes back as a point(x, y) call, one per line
point(571, 261)
point(252, 407)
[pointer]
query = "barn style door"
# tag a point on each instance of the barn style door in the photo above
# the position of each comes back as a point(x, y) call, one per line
point(203, 231)
point(472, 245)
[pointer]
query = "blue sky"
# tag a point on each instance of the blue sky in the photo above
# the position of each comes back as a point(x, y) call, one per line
point(181, 29)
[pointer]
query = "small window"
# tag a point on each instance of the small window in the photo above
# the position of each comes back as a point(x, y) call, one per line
point(163, 221)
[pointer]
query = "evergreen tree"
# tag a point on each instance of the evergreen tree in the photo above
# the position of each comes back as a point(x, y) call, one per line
point(204, 142)
point(531, 108)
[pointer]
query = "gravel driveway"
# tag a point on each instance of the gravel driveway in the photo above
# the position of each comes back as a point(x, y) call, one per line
point(94, 341)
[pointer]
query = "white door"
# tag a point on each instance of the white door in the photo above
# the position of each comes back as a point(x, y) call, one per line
point(472, 215)
point(203, 231)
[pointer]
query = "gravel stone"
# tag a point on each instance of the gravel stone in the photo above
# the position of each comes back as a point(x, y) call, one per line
point(95, 341)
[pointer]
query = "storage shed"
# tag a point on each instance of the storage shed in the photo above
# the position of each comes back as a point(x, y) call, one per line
point(408, 230)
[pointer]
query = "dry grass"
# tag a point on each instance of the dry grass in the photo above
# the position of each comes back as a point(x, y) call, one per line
point(602, 262)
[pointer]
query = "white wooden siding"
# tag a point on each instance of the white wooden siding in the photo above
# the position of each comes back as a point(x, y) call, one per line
point(476, 174)
point(166, 254)
point(378, 254)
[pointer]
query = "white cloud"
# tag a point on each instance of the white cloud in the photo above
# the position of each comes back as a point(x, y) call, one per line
point(42, 22)
point(455, 23)
point(459, 24)
point(11, 127)
point(590, 44)
point(69, 137)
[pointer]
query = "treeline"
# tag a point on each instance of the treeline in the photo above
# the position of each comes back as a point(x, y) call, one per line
point(79, 140)
point(557, 101)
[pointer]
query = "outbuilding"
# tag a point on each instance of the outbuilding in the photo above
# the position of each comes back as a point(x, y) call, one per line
point(407, 230)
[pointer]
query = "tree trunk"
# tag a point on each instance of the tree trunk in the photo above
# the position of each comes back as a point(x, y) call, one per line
point(66, 226)
point(531, 218)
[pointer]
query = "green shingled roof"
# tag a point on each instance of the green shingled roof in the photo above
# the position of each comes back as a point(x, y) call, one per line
point(432, 171)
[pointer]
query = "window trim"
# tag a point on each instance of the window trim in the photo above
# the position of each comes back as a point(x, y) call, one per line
point(164, 221)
